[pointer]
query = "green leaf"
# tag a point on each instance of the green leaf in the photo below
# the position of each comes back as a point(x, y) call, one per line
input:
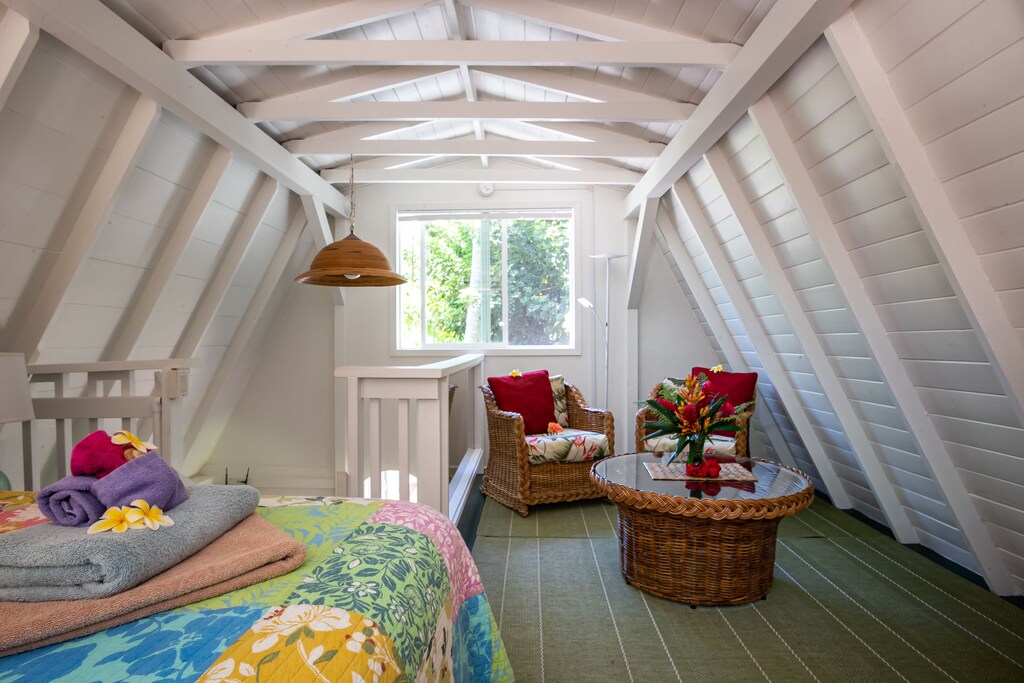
point(293, 638)
point(308, 632)
point(268, 658)
point(326, 657)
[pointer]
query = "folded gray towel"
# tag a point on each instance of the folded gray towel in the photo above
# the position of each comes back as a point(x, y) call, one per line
point(49, 562)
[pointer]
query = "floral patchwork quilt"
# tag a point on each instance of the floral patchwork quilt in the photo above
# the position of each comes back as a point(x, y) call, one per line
point(388, 592)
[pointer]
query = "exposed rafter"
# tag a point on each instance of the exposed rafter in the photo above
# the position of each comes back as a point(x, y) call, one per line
point(492, 147)
point(733, 355)
point(640, 254)
point(573, 86)
point(95, 210)
point(778, 41)
point(759, 338)
point(426, 111)
point(214, 51)
point(908, 399)
point(814, 352)
point(227, 267)
point(320, 229)
point(94, 31)
point(358, 86)
point(456, 31)
point(932, 206)
point(520, 176)
point(17, 38)
point(319, 22)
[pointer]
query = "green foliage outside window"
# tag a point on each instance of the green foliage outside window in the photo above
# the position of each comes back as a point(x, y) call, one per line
point(464, 273)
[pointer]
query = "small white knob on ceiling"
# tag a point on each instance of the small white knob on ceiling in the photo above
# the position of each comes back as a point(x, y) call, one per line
point(485, 189)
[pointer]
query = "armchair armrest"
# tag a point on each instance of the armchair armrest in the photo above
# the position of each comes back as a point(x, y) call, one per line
point(582, 416)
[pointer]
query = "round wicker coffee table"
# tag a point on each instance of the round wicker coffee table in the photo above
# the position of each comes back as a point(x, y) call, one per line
point(698, 545)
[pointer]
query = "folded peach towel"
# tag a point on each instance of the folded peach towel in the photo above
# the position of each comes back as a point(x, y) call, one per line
point(253, 551)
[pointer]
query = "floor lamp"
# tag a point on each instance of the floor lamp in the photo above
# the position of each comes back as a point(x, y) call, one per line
point(586, 303)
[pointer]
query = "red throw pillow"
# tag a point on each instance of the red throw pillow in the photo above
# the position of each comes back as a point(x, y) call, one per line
point(529, 395)
point(738, 387)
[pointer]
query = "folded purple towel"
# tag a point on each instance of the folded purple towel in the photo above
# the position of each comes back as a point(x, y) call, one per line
point(69, 502)
point(148, 478)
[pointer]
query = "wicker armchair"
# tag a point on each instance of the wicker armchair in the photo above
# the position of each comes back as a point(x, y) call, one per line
point(510, 477)
point(645, 414)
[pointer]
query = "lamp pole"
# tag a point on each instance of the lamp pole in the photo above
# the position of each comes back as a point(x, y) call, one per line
point(607, 258)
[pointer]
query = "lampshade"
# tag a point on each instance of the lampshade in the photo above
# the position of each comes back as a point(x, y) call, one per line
point(15, 399)
point(351, 262)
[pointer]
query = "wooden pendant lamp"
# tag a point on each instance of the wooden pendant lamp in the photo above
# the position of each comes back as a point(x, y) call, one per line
point(351, 262)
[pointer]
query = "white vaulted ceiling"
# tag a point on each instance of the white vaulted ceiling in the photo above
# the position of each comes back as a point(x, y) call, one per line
point(612, 82)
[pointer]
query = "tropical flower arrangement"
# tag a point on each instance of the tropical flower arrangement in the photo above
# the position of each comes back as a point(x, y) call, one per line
point(692, 411)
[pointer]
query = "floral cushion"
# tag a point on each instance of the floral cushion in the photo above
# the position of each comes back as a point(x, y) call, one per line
point(570, 445)
point(561, 404)
point(720, 445)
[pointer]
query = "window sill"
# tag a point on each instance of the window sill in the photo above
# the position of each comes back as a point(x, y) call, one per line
point(526, 351)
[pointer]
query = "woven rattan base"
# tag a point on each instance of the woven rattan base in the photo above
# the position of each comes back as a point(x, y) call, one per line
point(548, 483)
point(697, 561)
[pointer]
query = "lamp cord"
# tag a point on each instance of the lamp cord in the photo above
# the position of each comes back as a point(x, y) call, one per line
point(352, 199)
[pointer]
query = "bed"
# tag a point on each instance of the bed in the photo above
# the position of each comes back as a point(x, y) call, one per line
point(387, 592)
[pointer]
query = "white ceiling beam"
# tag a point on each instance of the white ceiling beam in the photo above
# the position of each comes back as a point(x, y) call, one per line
point(931, 204)
point(456, 31)
point(216, 405)
point(94, 212)
point(213, 51)
point(320, 228)
point(582, 21)
point(523, 176)
point(226, 269)
point(762, 345)
point(359, 86)
point(94, 31)
point(733, 356)
point(490, 147)
point(170, 254)
point(427, 111)
point(17, 39)
point(573, 86)
point(585, 131)
point(893, 509)
point(640, 254)
point(319, 22)
point(908, 400)
point(778, 41)
point(356, 131)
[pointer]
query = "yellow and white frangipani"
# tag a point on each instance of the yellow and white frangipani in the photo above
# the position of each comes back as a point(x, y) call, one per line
point(138, 446)
point(138, 515)
point(115, 519)
point(717, 368)
point(149, 515)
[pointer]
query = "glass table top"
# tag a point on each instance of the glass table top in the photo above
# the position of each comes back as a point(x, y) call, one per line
point(628, 470)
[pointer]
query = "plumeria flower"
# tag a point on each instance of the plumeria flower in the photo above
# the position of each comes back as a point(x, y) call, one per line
point(151, 516)
point(515, 373)
point(116, 519)
point(138, 446)
point(717, 368)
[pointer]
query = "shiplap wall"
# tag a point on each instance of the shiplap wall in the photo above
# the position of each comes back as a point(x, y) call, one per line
point(56, 130)
point(768, 397)
point(957, 69)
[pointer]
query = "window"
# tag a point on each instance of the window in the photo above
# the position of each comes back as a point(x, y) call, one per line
point(498, 279)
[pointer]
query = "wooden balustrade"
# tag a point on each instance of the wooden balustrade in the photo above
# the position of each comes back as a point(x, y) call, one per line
point(109, 392)
point(417, 398)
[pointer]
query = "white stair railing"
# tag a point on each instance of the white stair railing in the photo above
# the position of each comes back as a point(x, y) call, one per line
point(109, 392)
point(405, 456)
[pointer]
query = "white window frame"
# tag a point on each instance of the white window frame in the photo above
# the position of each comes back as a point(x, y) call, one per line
point(579, 229)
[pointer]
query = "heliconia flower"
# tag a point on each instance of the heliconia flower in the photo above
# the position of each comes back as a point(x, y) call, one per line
point(717, 368)
point(117, 520)
point(667, 404)
point(151, 516)
point(515, 373)
point(688, 413)
point(554, 428)
point(138, 446)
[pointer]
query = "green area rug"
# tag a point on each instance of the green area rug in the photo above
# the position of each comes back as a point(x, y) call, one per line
point(848, 604)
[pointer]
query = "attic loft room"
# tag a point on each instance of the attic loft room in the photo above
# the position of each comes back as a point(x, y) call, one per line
point(494, 340)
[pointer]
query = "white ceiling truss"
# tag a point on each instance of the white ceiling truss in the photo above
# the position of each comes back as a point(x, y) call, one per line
point(384, 78)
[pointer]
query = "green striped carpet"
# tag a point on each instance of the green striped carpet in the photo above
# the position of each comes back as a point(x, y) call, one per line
point(848, 604)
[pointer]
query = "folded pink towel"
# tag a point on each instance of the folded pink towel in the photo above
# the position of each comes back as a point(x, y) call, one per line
point(97, 455)
point(70, 502)
point(147, 477)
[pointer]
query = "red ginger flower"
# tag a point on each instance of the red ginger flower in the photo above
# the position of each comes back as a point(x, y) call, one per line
point(688, 413)
point(727, 410)
point(667, 404)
